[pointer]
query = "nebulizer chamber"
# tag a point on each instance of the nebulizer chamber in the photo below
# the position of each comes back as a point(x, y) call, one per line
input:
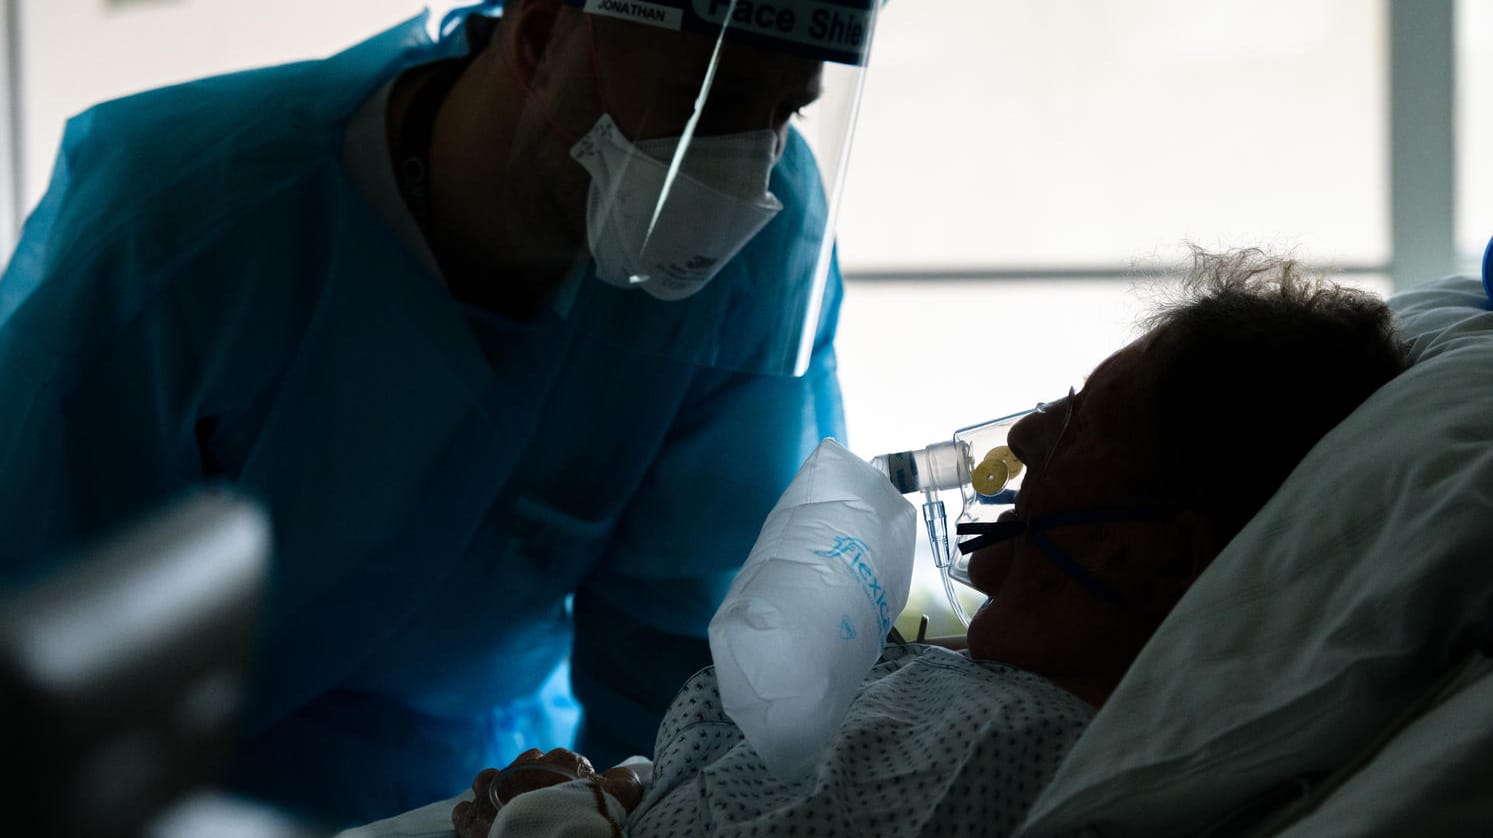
point(979, 466)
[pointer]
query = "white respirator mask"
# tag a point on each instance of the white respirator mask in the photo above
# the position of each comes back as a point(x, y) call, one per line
point(664, 215)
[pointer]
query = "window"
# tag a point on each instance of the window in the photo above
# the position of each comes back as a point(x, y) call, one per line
point(1021, 168)
point(75, 53)
point(1018, 162)
point(12, 200)
point(1474, 130)
point(1091, 133)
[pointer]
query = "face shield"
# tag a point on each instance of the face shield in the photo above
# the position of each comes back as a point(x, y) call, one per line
point(678, 162)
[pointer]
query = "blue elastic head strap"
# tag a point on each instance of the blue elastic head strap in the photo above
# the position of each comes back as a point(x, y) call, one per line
point(1488, 269)
point(988, 533)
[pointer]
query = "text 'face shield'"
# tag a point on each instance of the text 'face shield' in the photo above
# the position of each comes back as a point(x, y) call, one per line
point(691, 153)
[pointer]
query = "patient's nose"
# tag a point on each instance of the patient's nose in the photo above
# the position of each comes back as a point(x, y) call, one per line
point(1032, 438)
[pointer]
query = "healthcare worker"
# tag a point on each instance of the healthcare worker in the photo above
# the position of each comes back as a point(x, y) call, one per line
point(516, 320)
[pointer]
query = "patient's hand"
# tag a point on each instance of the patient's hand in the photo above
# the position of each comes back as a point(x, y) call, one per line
point(473, 819)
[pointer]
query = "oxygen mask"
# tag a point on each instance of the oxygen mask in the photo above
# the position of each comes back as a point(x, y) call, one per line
point(978, 464)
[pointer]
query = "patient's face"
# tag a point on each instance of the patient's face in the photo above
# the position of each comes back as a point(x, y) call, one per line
point(1038, 616)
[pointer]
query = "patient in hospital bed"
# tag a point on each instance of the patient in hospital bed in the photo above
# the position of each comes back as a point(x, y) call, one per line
point(1171, 446)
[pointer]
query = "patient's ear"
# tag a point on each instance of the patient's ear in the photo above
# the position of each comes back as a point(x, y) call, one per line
point(1195, 545)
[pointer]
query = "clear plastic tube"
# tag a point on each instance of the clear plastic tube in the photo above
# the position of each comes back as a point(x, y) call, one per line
point(938, 528)
point(926, 469)
point(954, 604)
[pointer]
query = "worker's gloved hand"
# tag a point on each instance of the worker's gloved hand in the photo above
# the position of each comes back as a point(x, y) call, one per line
point(532, 770)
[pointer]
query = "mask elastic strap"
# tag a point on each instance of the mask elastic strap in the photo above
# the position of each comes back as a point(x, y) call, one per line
point(1088, 580)
point(1103, 516)
point(994, 532)
point(987, 534)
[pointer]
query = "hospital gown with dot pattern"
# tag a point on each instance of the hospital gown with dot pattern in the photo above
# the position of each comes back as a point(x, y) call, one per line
point(934, 744)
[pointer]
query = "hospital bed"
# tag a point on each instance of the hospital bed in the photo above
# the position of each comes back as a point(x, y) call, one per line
point(1329, 673)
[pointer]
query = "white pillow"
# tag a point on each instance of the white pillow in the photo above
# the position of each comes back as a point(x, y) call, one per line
point(1330, 611)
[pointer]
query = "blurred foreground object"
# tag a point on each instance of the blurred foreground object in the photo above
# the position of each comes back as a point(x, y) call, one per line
point(121, 678)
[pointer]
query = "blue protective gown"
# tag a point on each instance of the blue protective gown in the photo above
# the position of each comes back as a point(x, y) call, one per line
point(203, 296)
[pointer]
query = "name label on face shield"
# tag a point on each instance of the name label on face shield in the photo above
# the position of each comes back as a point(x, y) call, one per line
point(826, 31)
point(653, 14)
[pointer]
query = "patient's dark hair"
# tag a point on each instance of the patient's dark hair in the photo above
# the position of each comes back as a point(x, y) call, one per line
point(1256, 361)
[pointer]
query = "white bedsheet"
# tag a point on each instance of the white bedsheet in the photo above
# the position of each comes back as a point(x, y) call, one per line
point(430, 821)
point(1430, 779)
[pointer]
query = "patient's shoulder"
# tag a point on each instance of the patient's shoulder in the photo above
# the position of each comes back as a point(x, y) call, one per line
point(931, 676)
point(698, 702)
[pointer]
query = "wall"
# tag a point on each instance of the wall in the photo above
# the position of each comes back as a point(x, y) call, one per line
point(78, 52)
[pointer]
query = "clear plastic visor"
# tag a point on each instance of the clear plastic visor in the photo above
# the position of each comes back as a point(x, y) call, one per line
point(678, 165)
